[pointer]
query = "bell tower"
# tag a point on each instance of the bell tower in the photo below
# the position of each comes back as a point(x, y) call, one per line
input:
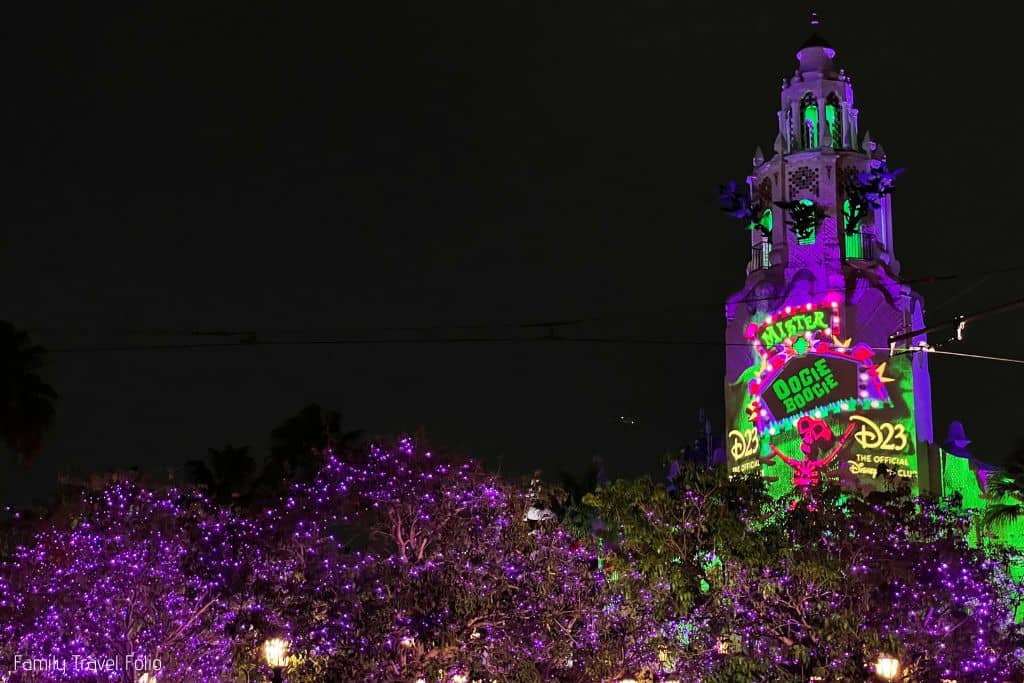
point(807, 334)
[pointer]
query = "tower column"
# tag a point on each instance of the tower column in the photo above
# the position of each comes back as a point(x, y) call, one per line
point(822, 123)
point(797, 127)
point(844, 115)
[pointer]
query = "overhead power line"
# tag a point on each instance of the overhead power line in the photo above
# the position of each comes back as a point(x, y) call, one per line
point(426, 329)
point(624, 341)
point(1019, 361)
point(932, 350)
point(391, 340)
point(959, 321)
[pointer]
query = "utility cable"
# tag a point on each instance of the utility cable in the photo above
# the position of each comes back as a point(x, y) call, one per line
point(423, 329)
point(931, 350)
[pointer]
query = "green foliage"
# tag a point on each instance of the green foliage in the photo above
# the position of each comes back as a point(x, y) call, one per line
point(782, 592)
point(1006, 491)
point(679, 538)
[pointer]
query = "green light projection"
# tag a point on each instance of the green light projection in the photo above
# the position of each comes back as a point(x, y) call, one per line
point(832, 121)
point(807, 202)
point(810, 122)
point(960, 475)
point(765, 225)
point(882, 449)
point(854, 248)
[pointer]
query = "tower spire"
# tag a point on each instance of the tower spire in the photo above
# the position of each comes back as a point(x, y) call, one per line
point(816, 54)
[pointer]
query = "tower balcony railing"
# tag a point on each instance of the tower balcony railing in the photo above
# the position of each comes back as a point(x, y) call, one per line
point(862, 247)
point(858, 247)
point(760, 257)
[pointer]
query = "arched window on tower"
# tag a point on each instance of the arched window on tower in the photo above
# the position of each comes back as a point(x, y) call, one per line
point(766, 240)
point(854, 246)
point(834, 120)
point(809, 121)
point(803, 241)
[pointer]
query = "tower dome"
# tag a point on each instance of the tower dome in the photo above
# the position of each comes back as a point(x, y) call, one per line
point(815, 56)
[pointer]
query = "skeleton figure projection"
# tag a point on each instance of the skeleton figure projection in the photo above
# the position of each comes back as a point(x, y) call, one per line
point(817, 437)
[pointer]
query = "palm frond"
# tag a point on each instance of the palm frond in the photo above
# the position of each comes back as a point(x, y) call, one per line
point(1003, 514)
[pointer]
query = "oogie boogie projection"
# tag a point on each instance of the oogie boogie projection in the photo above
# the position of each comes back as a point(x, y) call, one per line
point(809, 381)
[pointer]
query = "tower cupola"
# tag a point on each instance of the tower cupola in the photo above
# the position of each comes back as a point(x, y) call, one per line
point(815, 57)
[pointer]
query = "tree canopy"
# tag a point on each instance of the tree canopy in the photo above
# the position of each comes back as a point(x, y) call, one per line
point(392, 562)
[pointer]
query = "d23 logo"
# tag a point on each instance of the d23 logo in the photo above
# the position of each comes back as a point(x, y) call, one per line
point(744, 444)
point(887, 436)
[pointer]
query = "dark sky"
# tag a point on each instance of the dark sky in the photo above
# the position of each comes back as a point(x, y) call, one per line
point(354, 170)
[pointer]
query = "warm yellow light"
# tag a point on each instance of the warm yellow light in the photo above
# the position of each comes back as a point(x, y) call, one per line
point(408, 641)
point(147, 678)
point(887, 667)
point(460, 678)
point(275, 651)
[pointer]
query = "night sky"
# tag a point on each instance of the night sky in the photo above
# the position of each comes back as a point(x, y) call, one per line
point(442, 171)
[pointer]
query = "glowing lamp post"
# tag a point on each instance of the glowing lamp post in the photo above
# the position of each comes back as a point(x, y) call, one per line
point(275, 652)
point(887, 668)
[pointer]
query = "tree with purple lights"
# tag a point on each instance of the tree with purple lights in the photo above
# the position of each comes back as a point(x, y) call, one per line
point(140, 577)
point(666, 546)
point(855, 578)
point(772, 593)
point(452, 578)
point(395, 563)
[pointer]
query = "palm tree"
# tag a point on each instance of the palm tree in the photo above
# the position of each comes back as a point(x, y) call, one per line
point(576, 515)
point(26, 401)
point(298, 444)
point(298, 447)
point(225, 473)
point(1005, 490)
